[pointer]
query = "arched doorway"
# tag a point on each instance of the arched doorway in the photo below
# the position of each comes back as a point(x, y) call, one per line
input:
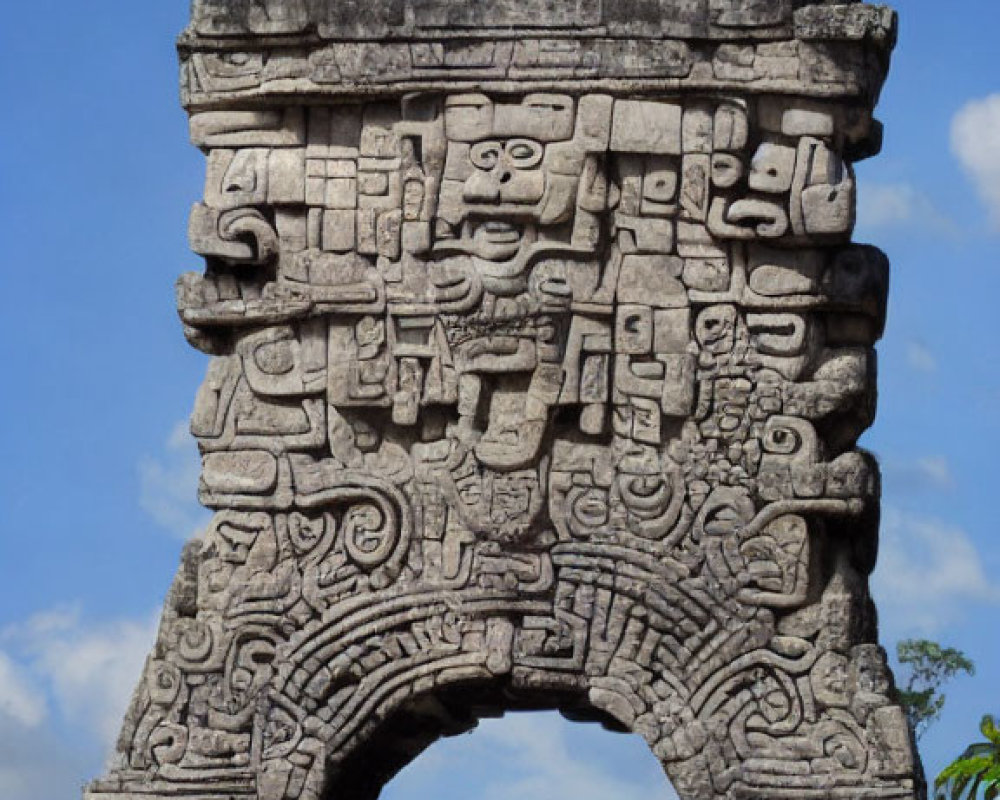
point(498, 738)
point(534, 756)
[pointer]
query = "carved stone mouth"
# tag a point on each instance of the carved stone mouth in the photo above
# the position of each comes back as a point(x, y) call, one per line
point(500, 232)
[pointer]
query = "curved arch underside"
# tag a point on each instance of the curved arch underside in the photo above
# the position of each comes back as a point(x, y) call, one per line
point(540, 353)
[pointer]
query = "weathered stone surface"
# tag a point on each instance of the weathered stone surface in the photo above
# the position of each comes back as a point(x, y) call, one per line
point(540, 355)
point(240, 52)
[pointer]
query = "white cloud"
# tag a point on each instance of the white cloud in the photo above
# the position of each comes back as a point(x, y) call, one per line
point(536, 757)
point(915, 477)
point(168, 485)
point(89, 671)
point(539, 746)
point(920, 357)
point(20, 700)
point(64, 687)
point(892, 205)
point(93, 672)
point(37, 765)
point(921, 475)
point(882, 205)
point(936, 471)
point(975, 141)
point(928, 573)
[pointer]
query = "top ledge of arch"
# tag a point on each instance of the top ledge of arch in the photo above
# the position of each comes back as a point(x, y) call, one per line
point(388, 20)
point(268, 51)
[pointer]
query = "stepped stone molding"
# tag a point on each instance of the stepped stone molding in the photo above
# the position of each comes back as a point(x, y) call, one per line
point(281, 51)
point(539, 355)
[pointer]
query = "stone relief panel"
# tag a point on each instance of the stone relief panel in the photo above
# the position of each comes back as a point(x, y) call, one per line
point(526, 399)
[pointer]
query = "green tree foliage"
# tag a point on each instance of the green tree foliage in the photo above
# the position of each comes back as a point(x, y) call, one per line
point(977, 769)
point(926, 667)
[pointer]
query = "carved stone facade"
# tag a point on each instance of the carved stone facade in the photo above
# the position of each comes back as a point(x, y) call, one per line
point(540, 353)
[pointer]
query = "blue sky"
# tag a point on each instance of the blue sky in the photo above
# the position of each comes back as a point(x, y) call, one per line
point(97, 486)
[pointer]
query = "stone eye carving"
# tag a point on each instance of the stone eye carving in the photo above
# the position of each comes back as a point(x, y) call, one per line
point(276, 358)
point(715, 329)
point(486, 155)
point(524, 153)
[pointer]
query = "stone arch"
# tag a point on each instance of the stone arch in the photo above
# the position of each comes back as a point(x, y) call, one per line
point(442, 696)
point(401, 671)
point(739, 687)
point(540, 358)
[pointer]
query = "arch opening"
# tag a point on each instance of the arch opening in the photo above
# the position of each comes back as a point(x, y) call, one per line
point(448, 713)
point(458, 743)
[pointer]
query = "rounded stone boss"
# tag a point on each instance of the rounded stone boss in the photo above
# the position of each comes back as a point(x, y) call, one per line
point(539, 355)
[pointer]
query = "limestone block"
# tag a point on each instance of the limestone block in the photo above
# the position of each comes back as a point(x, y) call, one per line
point(846, 21)
point(672, 331)
point(696, 172)
point(778, 273)
point(252, 472)
point(260, 128)
point(697, 136)
point(545, 117)
point(634, 330)
point(777, 61)
point(749, 13)
point(651, 280)
point(829, 209)
point(734, 62)
point(646, 127)
point(823, 196)
point(731, 127)
point(660, 180)
point(593, 125)
point(772, 168)
point(798, 118)
point(286, 177)
point(339, 230)
point(707, 275)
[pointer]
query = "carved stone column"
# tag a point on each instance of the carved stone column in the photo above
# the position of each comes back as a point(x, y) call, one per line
point(539, 356)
